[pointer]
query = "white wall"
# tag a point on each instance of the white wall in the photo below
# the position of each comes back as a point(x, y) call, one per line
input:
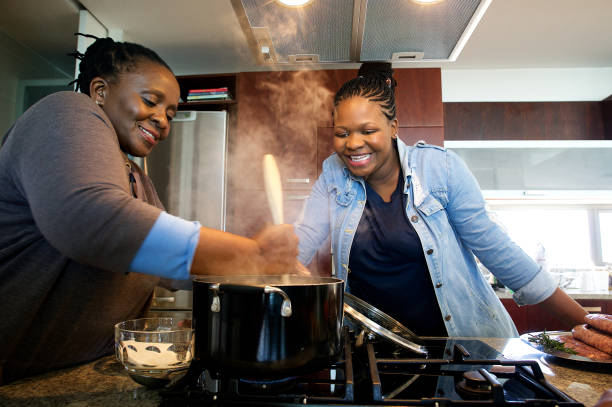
point(88, 24)
point(526, 85)
point(18, 63)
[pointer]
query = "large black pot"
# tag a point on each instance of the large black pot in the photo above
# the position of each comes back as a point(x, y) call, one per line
point(267, 326)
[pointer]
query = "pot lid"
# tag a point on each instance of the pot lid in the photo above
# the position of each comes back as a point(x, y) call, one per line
point(380, 323)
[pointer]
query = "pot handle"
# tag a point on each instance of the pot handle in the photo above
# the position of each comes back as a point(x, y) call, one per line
point(286, 310)
point(216, 303)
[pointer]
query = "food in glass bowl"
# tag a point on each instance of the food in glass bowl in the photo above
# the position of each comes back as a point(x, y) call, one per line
point(154, 351)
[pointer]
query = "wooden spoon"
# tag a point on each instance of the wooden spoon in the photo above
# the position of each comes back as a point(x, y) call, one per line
point(272, 184)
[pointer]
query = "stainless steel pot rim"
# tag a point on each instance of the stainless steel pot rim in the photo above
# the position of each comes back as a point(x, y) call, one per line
point(268, 280)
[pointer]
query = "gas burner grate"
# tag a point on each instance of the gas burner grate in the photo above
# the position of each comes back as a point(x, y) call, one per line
point(460, 381)
point(331, 386)
point(378, 373)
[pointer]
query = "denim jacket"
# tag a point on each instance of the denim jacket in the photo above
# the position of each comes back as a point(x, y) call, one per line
point(447, 210)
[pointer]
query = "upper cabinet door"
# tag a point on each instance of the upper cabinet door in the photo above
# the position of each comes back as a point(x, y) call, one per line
point(419, 97)
point(539, 169)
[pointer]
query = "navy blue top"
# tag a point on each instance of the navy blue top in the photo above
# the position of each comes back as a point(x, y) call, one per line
point(387, 265)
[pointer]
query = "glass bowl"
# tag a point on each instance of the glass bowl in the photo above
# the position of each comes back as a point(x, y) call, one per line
point(154, 351)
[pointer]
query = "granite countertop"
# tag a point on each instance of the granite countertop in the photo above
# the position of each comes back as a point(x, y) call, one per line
point(104, 382)
point(584, 383)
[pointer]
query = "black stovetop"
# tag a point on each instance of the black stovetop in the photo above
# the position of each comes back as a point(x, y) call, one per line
point(456, 372)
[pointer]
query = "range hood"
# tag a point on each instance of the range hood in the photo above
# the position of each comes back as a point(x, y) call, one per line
point(337, 31)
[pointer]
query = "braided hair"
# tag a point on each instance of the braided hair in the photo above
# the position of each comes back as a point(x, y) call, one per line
point(374, 82)
point(107, 59)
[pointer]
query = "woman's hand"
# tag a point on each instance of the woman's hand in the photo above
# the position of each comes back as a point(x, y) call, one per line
point(302, 270)
point(274, 250)
point(278, 248)
point(605, 400)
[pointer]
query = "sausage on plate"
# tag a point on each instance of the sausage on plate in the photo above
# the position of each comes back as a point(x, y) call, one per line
point(602, 322)
point(584, 350)
point(593, 337)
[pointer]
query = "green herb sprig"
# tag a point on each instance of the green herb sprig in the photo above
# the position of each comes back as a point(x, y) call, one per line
point(550, 344)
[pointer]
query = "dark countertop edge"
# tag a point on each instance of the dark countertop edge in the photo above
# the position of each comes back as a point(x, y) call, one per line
point(595, 295)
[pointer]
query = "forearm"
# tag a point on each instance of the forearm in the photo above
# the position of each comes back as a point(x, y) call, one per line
point(565, 308)
point(221, 253)
point(312, 226)
point(271, 251)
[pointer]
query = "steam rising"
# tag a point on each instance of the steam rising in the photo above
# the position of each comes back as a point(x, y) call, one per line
point(283, 122)
point(279, 116)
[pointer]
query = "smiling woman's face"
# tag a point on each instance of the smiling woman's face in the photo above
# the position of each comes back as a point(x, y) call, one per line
point(363, 137)
point(140, 104)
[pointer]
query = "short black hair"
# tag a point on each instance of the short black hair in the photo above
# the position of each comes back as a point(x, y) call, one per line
point(374, 82)
point(107, 58)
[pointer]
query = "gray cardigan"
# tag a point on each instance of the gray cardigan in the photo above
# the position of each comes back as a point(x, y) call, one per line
point(69, 228)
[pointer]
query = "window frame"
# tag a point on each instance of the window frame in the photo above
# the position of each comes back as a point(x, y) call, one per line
point(597, 249)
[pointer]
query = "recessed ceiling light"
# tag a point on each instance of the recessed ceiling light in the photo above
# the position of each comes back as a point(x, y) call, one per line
point(294, 3)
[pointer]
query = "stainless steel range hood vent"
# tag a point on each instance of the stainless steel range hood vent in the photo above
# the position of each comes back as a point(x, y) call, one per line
point(336, 31)
point(322, 27)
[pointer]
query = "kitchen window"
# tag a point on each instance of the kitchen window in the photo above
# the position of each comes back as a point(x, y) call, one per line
point(605, 234)
point(574, 243)
point(554, 198)
point(560, 237)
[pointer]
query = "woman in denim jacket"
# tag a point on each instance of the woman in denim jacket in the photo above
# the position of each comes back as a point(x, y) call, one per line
point(406, 222)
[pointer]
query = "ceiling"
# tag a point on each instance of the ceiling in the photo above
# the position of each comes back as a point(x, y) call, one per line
point(205, 36)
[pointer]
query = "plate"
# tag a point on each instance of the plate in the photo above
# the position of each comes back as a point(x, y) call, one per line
point(562, 355)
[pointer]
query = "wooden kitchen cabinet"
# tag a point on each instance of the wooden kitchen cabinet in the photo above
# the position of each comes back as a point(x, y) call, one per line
point(532, 318)
point(419, 97)
point(282, 113)
point(188, 82)
point(524, 120)
point(278, 113)
point(251, 214)
point(289, 114)
point(518, 314)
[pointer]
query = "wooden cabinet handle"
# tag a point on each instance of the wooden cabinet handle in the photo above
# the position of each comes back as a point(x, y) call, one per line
point(296, 197)
point(163, 299)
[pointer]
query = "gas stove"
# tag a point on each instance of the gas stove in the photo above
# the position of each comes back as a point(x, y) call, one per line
point(374, 372)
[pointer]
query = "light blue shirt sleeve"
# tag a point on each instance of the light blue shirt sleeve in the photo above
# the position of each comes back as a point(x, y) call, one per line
point(168, 249)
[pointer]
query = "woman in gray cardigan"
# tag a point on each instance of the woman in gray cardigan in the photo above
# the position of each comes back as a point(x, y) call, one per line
point(83, 236)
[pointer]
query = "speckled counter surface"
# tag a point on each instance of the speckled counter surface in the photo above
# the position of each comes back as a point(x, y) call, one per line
point(582, 382)
point(105, 383)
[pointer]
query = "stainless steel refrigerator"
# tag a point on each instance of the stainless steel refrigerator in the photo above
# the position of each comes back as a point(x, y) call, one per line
point(188, 171)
